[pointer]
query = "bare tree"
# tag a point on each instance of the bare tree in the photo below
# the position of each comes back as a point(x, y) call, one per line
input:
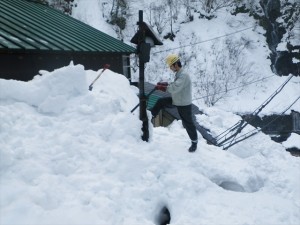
point(188, 7)
point(211, 6)
point(228, 69)
point(157, 16)
point(118, 12)
point(174, 6)
point(63, 5)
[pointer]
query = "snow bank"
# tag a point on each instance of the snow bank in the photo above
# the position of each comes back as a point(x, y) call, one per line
point(50, 94)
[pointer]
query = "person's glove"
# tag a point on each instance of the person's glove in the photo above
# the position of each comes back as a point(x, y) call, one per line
point(163, 83)
point(161, 88)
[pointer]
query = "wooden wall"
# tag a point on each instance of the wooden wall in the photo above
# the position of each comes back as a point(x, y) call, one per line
point(24, 66)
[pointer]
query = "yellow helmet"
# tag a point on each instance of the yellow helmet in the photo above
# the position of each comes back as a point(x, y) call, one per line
point(171, 59)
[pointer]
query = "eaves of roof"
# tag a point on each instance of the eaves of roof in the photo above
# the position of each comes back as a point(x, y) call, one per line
point(31, 26)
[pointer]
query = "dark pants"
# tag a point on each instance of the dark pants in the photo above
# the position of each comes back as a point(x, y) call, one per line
point(161, 103)
point(186, 116)
point(185, 113)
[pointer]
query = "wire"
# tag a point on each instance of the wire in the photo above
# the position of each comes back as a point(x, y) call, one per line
point(238, 127)
point(208, 40)
point(256, 81)
point(255, 131)
point(272, 96)
point(291, 105)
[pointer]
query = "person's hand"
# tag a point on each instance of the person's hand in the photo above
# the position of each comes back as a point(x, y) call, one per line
point(163, 83)
point(161, 87)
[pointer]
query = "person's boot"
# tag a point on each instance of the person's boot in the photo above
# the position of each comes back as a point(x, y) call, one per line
point(193, 147)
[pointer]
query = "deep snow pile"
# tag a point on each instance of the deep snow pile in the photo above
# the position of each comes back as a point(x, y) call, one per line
point(71, 156)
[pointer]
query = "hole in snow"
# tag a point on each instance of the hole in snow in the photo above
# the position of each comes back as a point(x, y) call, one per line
point(232, 186)
point(252, 185)
point(164, 216)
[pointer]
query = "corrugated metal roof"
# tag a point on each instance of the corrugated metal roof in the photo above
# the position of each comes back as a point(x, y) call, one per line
point(153, 98)
point(30, 26)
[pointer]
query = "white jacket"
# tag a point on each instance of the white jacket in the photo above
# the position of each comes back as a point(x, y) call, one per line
point(181, 89)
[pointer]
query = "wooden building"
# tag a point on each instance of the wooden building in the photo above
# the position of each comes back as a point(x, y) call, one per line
point(35, 37)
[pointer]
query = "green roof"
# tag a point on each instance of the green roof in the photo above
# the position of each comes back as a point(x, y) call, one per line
point(155, 96)
point(152, 100)
point(30, 26)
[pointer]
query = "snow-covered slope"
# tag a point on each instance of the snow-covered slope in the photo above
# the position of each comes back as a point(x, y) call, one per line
point(71, 156)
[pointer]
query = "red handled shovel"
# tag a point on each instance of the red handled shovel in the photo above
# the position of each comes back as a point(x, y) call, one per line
point(106, 66)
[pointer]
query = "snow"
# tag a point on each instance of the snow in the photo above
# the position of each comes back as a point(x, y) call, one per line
point(73, 156)
point(89, 12)
point(292, 142)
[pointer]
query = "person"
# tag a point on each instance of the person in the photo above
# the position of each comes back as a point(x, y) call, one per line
point(181, 97)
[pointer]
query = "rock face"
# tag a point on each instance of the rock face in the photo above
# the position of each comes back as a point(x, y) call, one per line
point(282, 23)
